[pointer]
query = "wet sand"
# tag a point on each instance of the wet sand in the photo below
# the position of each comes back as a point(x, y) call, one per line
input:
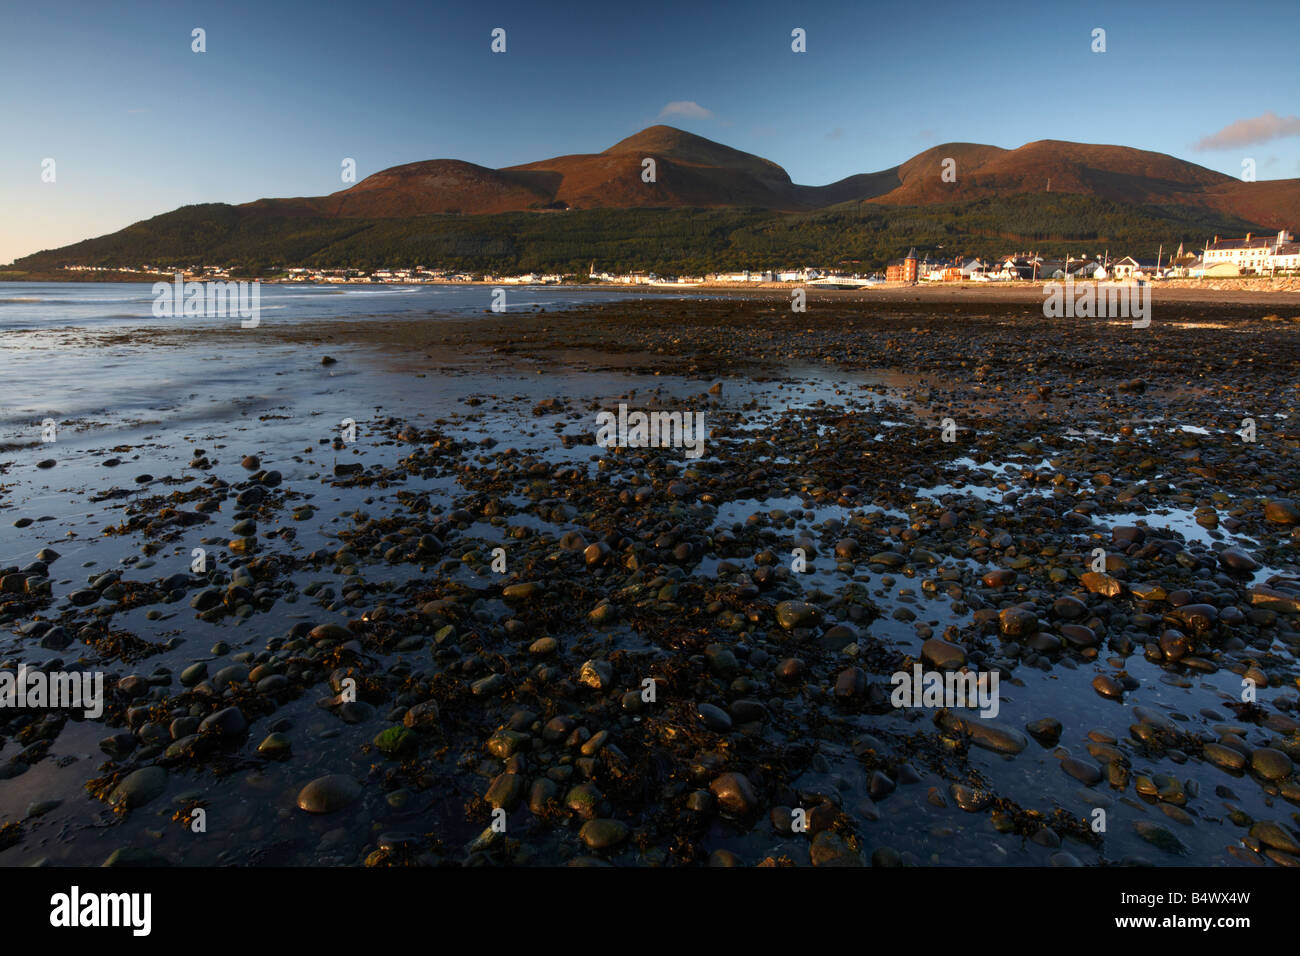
point(353, 680)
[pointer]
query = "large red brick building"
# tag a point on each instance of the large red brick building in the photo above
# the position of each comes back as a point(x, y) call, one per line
point(902, 270)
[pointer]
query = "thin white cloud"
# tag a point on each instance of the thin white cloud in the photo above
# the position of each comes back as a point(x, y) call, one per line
point(685, 109)
point(1249, 132)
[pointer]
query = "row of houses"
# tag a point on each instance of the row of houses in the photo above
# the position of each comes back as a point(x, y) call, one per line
point(389, 276)
point(194, 272)
point(1253, 255)
point(807, 276)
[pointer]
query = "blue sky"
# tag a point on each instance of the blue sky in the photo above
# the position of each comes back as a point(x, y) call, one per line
point(138, 124)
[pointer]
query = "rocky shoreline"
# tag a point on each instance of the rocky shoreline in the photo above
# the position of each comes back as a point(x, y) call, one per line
point(653, 679)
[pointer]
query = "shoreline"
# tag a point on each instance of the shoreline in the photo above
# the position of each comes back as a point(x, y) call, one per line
point(1282, 292)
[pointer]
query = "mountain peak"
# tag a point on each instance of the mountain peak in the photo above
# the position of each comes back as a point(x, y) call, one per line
point(659, 136)
point(677, 145)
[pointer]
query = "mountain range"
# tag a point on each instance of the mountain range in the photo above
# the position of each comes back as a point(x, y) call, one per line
point(694, 173)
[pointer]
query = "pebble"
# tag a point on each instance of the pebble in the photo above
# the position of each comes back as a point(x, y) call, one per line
point(734, 793)
point(943, 655)
point(603, 834)
point(1108, 687)
point(1271, 764)
point(329, 794)
point(713, 717)
point(139, 787)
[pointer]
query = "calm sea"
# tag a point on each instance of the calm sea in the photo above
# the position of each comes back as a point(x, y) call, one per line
point(64, 354)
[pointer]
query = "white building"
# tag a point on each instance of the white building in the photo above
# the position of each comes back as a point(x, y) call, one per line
point(1286, 258)
point(1124, 268)
point(1252, 254)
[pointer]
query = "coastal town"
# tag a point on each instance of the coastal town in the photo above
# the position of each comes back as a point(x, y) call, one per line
point(1224, 257)
point(1221, 258)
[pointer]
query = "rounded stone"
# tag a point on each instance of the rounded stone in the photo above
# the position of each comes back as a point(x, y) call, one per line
point(228, 722)
point(1235, 559)
point(734, 793)
point(713, 717)
point(331, 632)
point(1107, 687)
point(942, 654)
point(505, 791)
point(1270, 764)
point(521, 592)
point(329, 793)
point(792, 614)
point(1281, 511)
point(1081, 770)
point(275, 745)
point(193, 674)
point(603, 834)
point(423, 716)
point(543, 647)
point(1224, 757)
point(1017, 622)
point(1046, 730)
point(138, 788)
